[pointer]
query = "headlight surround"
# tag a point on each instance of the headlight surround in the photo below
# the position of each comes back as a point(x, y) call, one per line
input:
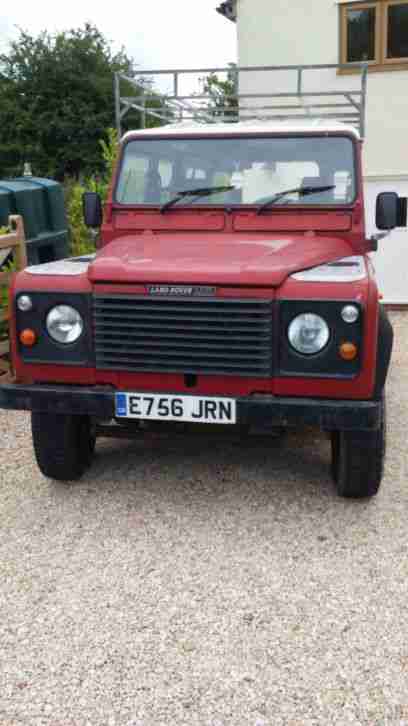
point(308, 334)
point(64, 324)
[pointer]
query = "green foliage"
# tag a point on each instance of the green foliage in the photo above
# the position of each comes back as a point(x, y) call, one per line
point(222, 95)
point(81, 240)
point(57, 101)
point(110, 149)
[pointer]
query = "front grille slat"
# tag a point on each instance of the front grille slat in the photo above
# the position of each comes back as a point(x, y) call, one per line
point(248, 310)
point(178, 328)
point(227, 337)
point(180, 318)
point(194, 338)
point(115, 345)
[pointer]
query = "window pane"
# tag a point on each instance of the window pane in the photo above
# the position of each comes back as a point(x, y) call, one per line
point(398, 31)
point(132, 182)
point(360, 35)
point(154, 170)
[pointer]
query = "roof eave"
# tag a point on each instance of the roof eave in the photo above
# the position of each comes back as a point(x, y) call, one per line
point(228, 10)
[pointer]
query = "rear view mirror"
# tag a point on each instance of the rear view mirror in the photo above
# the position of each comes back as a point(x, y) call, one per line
point(92, 209)
point(391, 211)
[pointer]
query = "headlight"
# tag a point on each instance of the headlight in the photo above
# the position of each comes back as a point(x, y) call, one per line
point(308, 333)
point(64, 324)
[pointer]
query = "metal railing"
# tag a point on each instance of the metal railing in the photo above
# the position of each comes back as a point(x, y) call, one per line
point(295, 103)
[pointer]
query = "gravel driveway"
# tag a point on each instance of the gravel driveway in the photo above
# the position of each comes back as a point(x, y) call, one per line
point(204, 582)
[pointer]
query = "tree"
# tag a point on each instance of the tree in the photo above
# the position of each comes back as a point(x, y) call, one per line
point(223, 101)
point(56, 101)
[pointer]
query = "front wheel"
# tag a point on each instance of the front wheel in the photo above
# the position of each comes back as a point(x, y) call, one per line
point(63, 444)
point(358, 460)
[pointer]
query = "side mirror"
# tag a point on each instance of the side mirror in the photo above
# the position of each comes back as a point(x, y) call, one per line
point(92, 209)
point(391, 211)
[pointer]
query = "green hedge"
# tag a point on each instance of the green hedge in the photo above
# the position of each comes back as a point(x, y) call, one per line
point(81, 241)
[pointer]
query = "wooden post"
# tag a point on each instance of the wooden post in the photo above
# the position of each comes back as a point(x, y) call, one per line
point(16, 242)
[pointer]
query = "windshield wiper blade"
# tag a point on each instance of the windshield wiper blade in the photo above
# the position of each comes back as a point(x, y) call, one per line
point(302, 191)
point(203, 192)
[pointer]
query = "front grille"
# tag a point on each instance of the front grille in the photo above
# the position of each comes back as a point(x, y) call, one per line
point(139, 333)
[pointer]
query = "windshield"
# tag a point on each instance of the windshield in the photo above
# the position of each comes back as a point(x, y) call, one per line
point(154, 171)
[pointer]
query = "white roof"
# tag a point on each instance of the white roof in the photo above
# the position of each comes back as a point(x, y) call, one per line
point(248, 127)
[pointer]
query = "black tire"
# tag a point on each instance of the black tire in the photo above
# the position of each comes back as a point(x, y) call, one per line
point(358, 460)
point(63, 444)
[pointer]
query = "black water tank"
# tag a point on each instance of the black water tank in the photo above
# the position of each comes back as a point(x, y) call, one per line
point(41, 204)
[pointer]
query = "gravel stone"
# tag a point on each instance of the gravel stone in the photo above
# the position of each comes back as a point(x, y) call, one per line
point(205, 582)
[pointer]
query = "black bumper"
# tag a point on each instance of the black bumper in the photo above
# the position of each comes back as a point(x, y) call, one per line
point(257, 410)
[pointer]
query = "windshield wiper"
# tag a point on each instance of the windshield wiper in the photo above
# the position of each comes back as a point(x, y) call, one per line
point(302, 191)
point(203, 192)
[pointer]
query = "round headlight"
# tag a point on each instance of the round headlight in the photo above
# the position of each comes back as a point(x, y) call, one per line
point(24, 303)
point(64, 324)
point(308, 333)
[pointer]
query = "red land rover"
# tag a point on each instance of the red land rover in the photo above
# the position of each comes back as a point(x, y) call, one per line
point(232, 286)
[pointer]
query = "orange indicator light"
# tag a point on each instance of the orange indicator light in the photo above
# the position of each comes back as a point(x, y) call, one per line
point(28, 337)
point(348, 351)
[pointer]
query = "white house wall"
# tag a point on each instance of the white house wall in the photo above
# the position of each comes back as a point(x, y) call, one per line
point(391, 260)
point(278, 32)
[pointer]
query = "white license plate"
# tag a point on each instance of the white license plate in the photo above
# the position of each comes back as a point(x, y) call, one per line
point(157, 407)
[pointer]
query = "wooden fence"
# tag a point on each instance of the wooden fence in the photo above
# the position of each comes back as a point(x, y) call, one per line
point(15, 241)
